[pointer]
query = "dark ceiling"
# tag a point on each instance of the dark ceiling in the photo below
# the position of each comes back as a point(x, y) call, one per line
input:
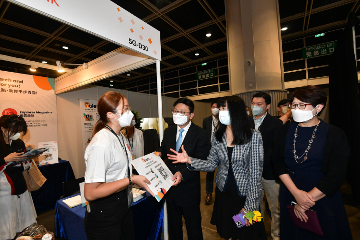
point(183, 25)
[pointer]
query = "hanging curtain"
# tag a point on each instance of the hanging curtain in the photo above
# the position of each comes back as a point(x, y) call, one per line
point(344, 100)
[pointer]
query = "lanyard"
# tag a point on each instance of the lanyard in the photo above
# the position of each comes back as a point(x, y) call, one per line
point(132, 141)
point(122, 145)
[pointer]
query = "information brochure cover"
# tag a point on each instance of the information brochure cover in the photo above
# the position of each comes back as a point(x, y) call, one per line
point(154, 169)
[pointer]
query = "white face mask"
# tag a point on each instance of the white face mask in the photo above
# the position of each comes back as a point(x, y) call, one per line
point(133, 122)
point(284, 109)
point(224, 117)
point(215, 111)
point(179, 119)
point(15, 136)
point(125, 119)
point(302, 115)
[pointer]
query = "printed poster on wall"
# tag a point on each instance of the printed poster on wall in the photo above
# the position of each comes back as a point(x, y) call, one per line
point(33, 98)
point(89, 117)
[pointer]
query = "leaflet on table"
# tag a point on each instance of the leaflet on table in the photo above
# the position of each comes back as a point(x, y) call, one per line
point(50, 156)
point(154, 169)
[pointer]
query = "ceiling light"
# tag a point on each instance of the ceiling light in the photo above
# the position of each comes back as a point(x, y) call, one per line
point(128, 74)
point(60, 68)
point(65, 47)
point(197, 54)
point(111, 85)
point(33, 69)
point(44, 62)
point(204, 64)
point(111, 81)
point(208, 34)
point(284, 29)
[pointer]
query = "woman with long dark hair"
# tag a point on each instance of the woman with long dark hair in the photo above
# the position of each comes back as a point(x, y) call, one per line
point(311, 157)
point(17, 209)
point(108, 176)
point(238, 152)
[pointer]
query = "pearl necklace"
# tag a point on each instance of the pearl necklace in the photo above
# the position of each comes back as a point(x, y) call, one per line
point(308, 148)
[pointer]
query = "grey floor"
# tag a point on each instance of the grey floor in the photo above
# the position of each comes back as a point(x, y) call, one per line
point(209, 231)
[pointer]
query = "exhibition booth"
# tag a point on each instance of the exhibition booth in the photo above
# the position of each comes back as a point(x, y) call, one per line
point(62, 111)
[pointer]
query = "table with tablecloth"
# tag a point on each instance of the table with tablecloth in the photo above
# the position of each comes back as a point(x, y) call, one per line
point(45, 198)
point(147, 212)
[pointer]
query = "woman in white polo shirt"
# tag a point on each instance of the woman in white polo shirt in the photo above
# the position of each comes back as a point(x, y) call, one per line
point(108, 175)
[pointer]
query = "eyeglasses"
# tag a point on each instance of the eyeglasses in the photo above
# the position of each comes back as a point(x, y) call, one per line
point(125, 110)
point(181, 112)
point(301, 106)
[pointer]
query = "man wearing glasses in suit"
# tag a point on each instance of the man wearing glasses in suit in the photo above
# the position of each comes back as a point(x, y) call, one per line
point(183, 199)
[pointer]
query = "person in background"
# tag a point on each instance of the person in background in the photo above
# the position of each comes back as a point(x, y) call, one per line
point(237, 150)
point(268, 126)
point(284, 110)
point(135, 138)
point(311, 157)
point(17, 209)
point(210, 124)
point(248, 110)
point(108, 175)
point(183, 199)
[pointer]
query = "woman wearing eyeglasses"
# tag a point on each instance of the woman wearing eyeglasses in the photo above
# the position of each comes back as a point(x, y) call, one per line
point(108, 176)
point(238, 152)
point(311, 157)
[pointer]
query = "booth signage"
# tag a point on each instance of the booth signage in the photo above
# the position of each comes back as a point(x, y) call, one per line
point(319, 50)
point(206, 74)
point(102, 18)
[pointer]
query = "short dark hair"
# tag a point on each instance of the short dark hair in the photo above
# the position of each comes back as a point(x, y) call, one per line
point(212, 102)
point(310, 94)
point(283, 102)
point(187, 102)
point(263, 95)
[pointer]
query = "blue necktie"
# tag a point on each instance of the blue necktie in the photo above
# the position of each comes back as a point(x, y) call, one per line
point(179, 141)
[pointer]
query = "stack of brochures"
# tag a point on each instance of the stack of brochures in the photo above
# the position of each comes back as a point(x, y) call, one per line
point(73, 201)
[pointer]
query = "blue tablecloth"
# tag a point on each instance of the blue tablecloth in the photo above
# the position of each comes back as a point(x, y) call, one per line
point(147, 212)
point(45, 198)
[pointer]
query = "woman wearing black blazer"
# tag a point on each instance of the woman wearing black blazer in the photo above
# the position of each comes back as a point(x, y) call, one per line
point(310, 157)
point(238, 152)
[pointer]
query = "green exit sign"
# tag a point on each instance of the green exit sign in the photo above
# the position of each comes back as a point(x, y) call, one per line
point(320, 35)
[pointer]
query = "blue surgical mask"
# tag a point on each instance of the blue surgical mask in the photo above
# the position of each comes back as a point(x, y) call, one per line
point(224, 117)
point(256, 110)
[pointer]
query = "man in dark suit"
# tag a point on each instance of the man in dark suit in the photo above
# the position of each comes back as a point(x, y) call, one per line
point(183, 199)
point(210, 124)
point(268, 126)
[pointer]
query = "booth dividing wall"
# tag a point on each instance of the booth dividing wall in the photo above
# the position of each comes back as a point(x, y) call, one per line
point(69, 118)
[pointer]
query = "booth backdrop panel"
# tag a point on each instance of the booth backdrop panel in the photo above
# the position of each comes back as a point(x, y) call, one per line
point(69, 127)
point(139, 102)
point(33, 98)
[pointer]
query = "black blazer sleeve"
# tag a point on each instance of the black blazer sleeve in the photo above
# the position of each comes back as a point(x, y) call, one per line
point(278, 159)
point(201, 152)
point(336, 159)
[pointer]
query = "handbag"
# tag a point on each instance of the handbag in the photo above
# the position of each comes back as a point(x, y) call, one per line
point(312, 224)
point(33, 177)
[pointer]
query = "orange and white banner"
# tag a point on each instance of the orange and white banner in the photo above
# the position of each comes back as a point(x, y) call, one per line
point(33, 98)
